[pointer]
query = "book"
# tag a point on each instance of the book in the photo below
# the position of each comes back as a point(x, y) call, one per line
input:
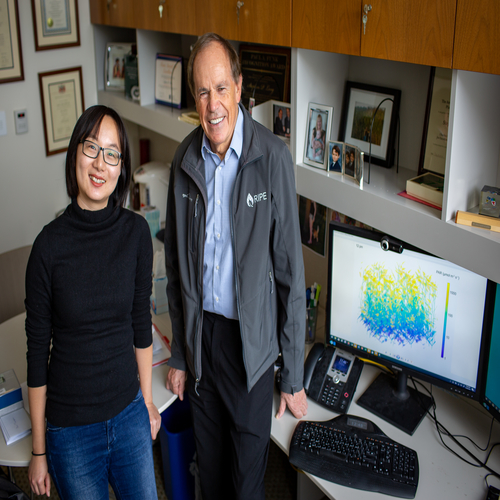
point(15, 425)
point(428, 187)
point(10, 390)
point(476, 220)
point(161, 347)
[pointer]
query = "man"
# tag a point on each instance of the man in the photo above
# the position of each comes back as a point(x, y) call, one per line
point(235, 278)
point(279, 129)
point(335, 163)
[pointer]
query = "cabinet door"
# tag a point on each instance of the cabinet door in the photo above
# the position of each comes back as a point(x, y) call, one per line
point(477, 37)
point(180, 16)
point(262, 21)
point(415, 31)
point(147, 15)
point(328, 26)
point(112, 12)
point(218, 17)
point(259, 21)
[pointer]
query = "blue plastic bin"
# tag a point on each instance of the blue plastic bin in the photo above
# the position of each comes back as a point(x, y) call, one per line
point(178, 450)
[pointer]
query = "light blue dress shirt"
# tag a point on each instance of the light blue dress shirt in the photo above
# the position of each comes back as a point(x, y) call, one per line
point(219, 292)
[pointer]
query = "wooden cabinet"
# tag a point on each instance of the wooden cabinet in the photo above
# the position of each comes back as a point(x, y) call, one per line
point(113, 12)
point(477, 37)
point(415, 31)
point(257, 21)
point(177, 16)
point(327, 26)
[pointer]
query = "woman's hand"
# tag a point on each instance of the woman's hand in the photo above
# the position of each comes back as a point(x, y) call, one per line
point(154, 419)
point(38, 475)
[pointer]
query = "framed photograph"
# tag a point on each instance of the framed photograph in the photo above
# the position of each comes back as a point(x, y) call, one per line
point(55, 24)
point(11, 57)
point(335, 157)
point(350, 160)
point(437, 116)
point(266, 73)
point(61, 95)
point(114, 70)
point(362, 105)
point(282, 120)
point(319, 122)
point(168, 80)
point(312, 217)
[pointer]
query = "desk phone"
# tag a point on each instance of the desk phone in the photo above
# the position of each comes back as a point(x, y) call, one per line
point(331, 376)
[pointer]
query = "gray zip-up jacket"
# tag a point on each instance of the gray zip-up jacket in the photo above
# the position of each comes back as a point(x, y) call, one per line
point(268, 262)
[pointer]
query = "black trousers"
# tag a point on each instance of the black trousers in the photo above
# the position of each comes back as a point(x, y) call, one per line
point(232, 427)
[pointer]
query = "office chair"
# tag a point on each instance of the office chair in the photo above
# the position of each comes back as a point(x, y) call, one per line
point(12, 276)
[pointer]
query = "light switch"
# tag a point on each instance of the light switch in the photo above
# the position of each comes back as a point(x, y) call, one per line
point(21, 119)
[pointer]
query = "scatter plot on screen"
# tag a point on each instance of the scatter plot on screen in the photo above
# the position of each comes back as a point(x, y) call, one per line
point(398, 306)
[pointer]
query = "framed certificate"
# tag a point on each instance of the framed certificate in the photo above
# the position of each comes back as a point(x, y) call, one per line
point(168, 80)
point(435, 134)
point(55, 24)
point(61, 95)
point(11, 59)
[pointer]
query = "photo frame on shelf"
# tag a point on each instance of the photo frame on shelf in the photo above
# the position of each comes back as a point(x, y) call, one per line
point(313, 225)
point(335, 157)
point(282, 120)
point(168, 80)
point(362, 104)
point(318, 131)
point(11, 56)
point(351, 160)
point(114, 61)
point(266, 73)
point(55, 23)
point(435, 133)
point(61, 94)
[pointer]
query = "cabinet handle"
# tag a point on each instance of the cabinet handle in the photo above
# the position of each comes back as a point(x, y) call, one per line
point(160, 8)
point(367, 8)
point(239, 5)
point(109, 4)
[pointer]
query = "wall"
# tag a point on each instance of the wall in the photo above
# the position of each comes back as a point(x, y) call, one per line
point(32, 186)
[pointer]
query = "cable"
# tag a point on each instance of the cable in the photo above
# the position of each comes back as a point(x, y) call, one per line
point(441, 430)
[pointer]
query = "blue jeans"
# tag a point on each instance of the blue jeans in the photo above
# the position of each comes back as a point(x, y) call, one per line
point(83, 459)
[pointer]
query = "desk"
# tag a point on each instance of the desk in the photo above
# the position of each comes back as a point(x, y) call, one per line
point(442, 475)
point(13, 355)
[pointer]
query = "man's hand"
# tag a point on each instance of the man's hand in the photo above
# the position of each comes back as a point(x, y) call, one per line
point(176, 381)
point(297, 404)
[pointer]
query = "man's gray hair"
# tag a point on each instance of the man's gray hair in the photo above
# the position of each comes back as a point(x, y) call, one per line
point(203, 42)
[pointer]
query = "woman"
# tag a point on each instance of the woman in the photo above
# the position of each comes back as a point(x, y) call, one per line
point(88, 284)
point(318, 140)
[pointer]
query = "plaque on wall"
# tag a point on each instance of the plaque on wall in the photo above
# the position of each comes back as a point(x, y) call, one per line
point(266, 73)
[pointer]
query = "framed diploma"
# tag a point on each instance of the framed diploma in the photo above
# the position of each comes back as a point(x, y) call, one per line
point(55, 23)
point(11, 59)
point(435, 134)
point(61, 94)
point(168, 80)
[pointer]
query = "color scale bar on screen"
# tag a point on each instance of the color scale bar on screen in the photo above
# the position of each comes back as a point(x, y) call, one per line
point(445, 318)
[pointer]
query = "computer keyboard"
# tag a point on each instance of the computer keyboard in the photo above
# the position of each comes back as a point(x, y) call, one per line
point(353, 451)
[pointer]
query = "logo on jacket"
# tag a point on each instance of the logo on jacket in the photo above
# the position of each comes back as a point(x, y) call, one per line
point(251, 200)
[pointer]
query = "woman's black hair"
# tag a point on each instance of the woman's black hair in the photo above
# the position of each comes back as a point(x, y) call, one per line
point(88, 125)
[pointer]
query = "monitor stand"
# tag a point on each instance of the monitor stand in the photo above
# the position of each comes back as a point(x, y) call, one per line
point(392, 400)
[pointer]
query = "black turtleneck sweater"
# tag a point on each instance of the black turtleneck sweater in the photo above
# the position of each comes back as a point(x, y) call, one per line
point(88, 284)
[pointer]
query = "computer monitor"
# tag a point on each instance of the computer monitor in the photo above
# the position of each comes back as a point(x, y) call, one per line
point(407, 310)
point(491, 396)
